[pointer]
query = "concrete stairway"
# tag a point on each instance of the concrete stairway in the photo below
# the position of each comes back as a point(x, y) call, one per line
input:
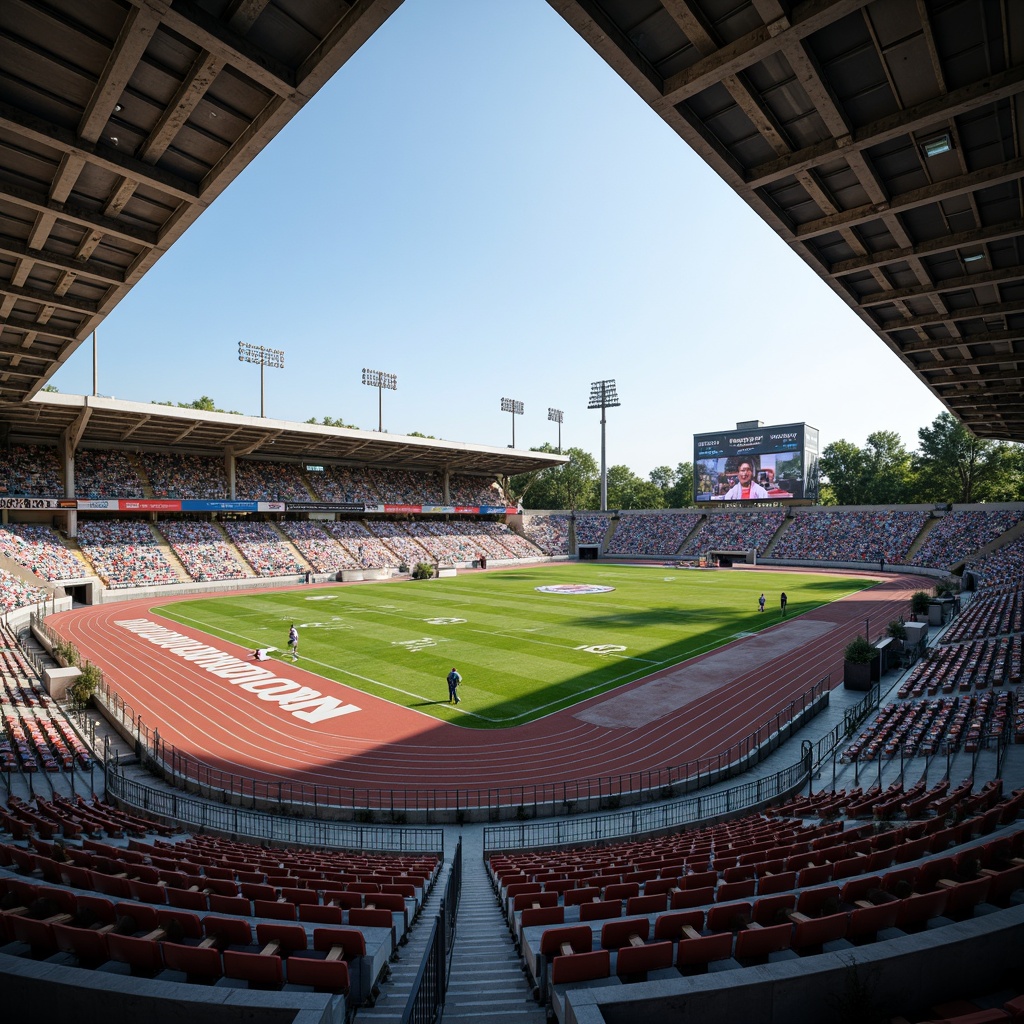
point(486, 982)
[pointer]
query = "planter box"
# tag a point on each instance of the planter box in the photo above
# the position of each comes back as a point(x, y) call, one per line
point(857, 676)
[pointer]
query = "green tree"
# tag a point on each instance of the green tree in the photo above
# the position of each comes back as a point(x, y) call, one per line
point(417, 433)
point(627, 490)
point(330, 421)
point(570, 486)
point(204, 404)
point(680, 494)
point(955, 466)
point(842, 470)
point(889, 477)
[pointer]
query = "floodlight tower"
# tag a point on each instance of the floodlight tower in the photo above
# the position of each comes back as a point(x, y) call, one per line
point(516, 408)
point(603, 396)
point(263, 357)
point(380, 380)
point(555, 415)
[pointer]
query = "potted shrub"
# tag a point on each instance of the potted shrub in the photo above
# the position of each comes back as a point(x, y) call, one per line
point(919, 601)
point(897, 630)
point(857, 662)
point(423, 571)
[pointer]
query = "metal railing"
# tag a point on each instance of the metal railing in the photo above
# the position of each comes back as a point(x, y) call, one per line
point(431, 983)
point(187, 772)
point(272, 828)
point(608, 792)
point(643, 821)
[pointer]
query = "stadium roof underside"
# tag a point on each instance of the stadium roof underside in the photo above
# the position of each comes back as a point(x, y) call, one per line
point(84, 421)
point(882, 140)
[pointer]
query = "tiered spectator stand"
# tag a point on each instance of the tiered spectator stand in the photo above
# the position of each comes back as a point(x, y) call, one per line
point(761, 889)
point(204, 910)
point(37, 736)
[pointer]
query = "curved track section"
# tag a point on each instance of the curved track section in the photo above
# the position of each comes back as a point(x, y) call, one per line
point(382, 747)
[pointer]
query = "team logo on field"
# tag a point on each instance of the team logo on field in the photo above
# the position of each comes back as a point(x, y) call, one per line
point(418, 645)
point(574, 588)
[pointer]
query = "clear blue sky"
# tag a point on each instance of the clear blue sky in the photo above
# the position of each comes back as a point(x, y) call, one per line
point(479, 204)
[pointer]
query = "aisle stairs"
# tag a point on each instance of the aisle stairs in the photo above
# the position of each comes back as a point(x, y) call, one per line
point(486, 982)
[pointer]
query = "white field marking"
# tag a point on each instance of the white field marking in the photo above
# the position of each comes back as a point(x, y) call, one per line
point(444, 622)
point(321, 597)
point(563, 647)
point(668, 579)
point(419, 645)
point(601, 648)
point(324, 625)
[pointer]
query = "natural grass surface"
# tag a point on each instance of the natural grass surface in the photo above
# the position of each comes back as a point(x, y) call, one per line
point(522, 654)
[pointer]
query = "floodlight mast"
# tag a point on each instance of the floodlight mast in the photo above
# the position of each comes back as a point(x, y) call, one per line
point(603, 396)
point(380, 380)
point(263, 357)
point(555, 415)
point(516, 408)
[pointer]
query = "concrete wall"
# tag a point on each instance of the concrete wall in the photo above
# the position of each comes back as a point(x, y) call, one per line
point(903, 975)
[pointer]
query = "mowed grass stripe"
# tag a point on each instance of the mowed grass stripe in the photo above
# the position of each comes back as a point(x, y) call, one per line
point(522, 654)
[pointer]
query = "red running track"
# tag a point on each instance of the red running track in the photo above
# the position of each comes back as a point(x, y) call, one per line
point(384, 747)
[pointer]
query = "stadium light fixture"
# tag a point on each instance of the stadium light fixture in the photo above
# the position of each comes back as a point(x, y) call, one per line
point(380, 380)
point(555, 415)
point(516, 408)
point(973, 257)
point(262, 357)
point(603, 396)
point(936, 147)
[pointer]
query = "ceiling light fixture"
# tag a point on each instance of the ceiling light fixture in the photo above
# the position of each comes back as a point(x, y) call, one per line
point(973, 257)
point(937, 146)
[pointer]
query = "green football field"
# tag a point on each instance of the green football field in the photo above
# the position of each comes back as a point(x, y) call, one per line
point(522, 653)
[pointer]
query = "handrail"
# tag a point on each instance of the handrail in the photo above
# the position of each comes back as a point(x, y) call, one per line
point(647, 820)
point(274, 828)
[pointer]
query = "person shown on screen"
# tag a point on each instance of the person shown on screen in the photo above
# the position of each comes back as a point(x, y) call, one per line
point(745, 488)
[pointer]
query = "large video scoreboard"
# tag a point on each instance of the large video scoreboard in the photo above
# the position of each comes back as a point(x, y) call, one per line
point(756, 463)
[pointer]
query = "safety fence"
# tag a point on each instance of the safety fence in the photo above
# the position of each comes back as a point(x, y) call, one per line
point(427, 997)
point(402, 805)
point(648, 820)
point(277, 829)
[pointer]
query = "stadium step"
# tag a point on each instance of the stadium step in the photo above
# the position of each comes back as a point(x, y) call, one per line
point(486, 981)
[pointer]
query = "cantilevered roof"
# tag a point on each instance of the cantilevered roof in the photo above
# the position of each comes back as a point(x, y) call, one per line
point(122, 120)
point(93, 422)
point(881, 140)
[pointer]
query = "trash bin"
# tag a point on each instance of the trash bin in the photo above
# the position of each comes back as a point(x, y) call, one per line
point(483, 562)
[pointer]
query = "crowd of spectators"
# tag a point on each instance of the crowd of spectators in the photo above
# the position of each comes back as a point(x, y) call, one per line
point(37, 548)
point(269, 481)
point(549, 533)
point(473, 490)
point(264, 548)
point(344, 483)
point(834, 535)
point(318, 547)
point(173, 475)
point(366, 551)
point(125, 553)
point(962, 532)
point(404, 487)
point(737, 531)
point(453, 542)
point(398, 540)
point(16, 593)
point(202, 550)
point(106, 474)
point(652, 533)
point(591, 529)
point(515, 544)
point(31, 471)
point(1003, 566)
